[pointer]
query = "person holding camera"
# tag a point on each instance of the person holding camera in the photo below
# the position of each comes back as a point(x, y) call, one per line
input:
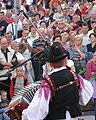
point(38, 45)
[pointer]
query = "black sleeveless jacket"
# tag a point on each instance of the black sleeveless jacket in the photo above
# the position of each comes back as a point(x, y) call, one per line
point(64, 99)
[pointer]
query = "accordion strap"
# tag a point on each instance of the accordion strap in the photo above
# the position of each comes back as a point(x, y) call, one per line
point(51, 83)
point(75, 78)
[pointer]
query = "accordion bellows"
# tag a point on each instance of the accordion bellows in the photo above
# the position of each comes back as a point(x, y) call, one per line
point(21, 100)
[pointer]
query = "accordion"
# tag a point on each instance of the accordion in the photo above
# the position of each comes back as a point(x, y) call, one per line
point(21, 100)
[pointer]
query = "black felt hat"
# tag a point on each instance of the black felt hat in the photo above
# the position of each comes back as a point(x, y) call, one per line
point(56, 53)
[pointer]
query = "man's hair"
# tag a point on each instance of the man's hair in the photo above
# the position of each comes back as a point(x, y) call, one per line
point(42, 22)
point(84, 24)
point(59, 63)
point(92, 34)
point(56, 36)
point(1, 12)
point(9, 33)
point(37, 14)
point(65, 34)
point(2, 91)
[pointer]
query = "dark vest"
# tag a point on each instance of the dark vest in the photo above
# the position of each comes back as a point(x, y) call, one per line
point(64, 99)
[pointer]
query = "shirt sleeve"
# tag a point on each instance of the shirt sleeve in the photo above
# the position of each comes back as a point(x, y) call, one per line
point(39, 107)
point(1, 66)
point(34, 44)
point(71, 53)
point(88, 70)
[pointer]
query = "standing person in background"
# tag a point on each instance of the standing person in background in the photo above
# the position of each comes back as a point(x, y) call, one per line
point(3, 24)
point(92, 18)
point(93, 25)
point(11, 28)
point(23, 4)
point(84, 34)
point(8, 60)
point(15, 47)
point(49, 34)
point(9, 18)
point(8, 36)
point(38, 45)
point(87, 6)
point(92, 46)
point(33, 35)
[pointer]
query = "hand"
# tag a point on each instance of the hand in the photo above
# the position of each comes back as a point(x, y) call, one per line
point(13, 60)
point(25, 40)
point(40, 48)
point(2, 28)
point(64, 20)
point(6, 67)
point(92, 73)
point(75, 59)
point(6, 64)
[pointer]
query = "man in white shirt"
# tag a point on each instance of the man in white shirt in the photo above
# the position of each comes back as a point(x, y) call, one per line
point(85, 35)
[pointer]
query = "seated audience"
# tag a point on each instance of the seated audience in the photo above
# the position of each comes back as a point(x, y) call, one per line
point(92, 46)
point(78, 52)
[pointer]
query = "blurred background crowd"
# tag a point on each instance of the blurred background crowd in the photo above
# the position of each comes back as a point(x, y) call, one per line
point(30, 26)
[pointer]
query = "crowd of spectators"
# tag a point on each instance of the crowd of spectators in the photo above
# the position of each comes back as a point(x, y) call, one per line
point(40, 23)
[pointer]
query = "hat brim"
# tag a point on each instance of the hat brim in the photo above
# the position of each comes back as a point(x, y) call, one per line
point(56, 59)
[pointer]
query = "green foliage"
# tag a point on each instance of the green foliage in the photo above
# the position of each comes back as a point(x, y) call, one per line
point(83, 72)
point(94, 76)
point(80, 70)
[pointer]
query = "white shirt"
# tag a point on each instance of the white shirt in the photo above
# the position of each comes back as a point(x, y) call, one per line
point(23, 8)
point(70, 63)
point(90, 31)
point(76, 6)
point(29, 2)
point(19, 56)
point(18, 40)
point(86, 39)
point(11, 28)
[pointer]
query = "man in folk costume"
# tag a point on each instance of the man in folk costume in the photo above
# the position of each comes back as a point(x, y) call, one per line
point(58, 96)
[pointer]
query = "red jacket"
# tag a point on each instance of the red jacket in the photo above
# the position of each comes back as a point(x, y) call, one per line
point(12, 85)
point(84, 10)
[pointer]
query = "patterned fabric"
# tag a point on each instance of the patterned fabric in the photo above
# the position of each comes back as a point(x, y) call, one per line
point(39, 43)
point(18, 84)
point(75, 54)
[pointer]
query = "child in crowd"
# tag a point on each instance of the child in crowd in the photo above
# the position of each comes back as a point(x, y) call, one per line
point(4, 101)
point(3, 105)
point(18, 82)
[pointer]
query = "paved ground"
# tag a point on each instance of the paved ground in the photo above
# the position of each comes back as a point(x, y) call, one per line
point(89, 117)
